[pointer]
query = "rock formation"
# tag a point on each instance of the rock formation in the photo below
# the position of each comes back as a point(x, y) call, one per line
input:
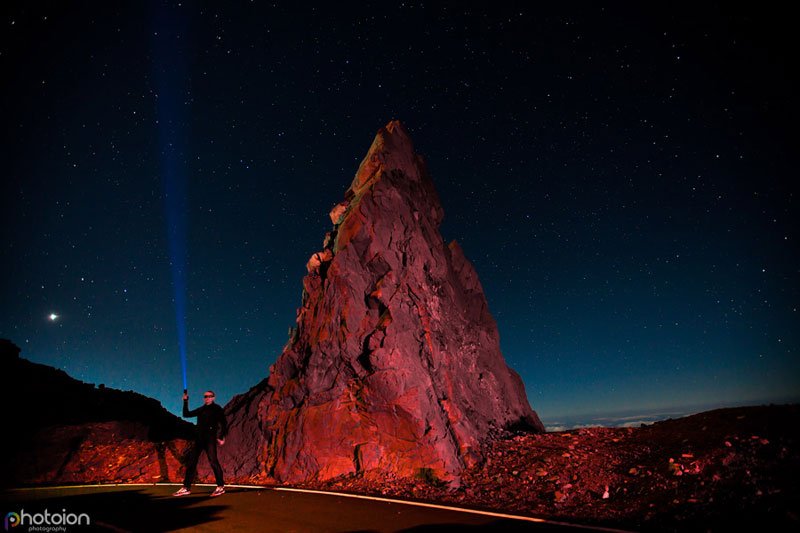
point(63, 430)
point(394, 366)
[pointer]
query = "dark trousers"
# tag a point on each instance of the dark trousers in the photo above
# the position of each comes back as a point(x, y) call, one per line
point(209, 445)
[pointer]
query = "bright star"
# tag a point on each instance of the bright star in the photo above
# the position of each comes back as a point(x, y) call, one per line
point(53, 317)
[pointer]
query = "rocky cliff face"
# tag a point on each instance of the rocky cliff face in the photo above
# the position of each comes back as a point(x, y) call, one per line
point(68, 431)
point(394, 366)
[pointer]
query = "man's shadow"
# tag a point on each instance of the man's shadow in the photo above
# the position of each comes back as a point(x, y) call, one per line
point(118, 509)
point(161, 450)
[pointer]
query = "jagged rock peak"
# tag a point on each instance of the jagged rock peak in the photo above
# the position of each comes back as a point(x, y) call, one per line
point(394, 367)
point(391, 149)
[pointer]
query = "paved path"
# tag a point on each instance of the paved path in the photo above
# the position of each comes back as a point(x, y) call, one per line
point(123, 508)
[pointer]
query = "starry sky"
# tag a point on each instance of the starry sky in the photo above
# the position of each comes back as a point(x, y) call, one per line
point(619, 176)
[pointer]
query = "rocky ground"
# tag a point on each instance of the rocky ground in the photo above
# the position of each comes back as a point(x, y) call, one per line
point(713, 471)
point(96, 452)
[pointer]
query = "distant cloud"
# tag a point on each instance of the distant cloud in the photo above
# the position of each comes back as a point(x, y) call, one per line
point(630, 418)
point(638, 423)
point(623, 420)
point(648, 416)
point(564, 427)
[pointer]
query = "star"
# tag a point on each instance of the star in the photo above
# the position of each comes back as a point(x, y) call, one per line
point(53, 317)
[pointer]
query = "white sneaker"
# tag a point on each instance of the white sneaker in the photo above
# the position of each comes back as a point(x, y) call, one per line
point(183, 491)
point(219, 491)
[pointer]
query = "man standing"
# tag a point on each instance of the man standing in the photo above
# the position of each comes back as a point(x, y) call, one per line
point(211, 429)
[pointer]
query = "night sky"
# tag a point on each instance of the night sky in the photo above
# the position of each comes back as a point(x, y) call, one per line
point(623, 181)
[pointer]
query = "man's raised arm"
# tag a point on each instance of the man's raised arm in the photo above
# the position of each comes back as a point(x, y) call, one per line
point(186, 412)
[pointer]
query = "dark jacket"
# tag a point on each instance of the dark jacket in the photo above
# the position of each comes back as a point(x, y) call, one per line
point(211, 421)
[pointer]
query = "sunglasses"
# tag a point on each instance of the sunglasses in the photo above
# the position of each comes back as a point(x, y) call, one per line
point(208, 396)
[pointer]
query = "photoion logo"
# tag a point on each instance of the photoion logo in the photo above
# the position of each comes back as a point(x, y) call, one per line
point(12, 520)
point(46, 521)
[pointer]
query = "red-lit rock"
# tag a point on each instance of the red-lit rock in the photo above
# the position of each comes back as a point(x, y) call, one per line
point(68, 431)
point(100, 452)
point(620, 478)
point(394, 366)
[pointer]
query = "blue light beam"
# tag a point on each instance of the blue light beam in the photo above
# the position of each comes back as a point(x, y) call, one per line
point(172, 85)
